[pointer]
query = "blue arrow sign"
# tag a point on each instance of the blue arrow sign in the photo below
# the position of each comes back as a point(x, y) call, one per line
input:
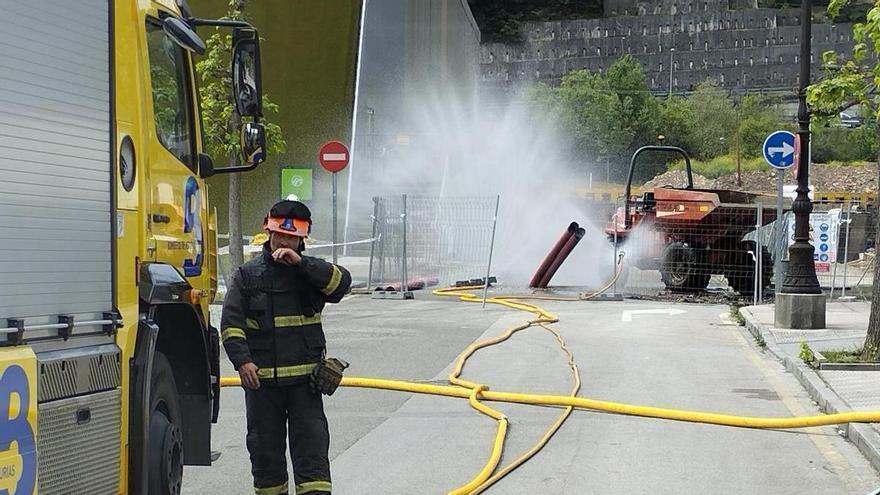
point(779, 149)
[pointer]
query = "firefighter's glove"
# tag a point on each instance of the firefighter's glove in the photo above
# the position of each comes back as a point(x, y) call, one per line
point(326, 376)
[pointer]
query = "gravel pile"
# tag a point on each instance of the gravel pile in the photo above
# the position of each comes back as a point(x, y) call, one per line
point(825, 178)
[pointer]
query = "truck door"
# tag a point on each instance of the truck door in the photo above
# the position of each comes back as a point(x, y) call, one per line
point(177, 196)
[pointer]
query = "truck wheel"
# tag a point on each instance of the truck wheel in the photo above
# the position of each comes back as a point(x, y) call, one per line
point(682, 269)
point(166, 437)
point(742, 279)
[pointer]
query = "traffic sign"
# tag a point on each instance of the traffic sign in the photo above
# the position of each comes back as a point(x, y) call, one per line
point(779, 149)
point(333, 156)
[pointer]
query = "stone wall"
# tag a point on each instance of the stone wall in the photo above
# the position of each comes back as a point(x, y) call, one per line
point(748, 49)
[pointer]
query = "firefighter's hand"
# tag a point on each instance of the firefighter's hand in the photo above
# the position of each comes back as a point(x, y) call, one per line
point(248, 374)
point(287, 256)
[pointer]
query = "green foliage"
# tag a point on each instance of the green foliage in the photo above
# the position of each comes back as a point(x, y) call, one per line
point(706, 122)
point(756, 122)
point(720, 166)
point(846, 145)
point(733, 310)
point(806, 354)
point(675, 122)
point(638, 107)
point(588, 109)
point(854, 80)
point(846, 356)
point(608, 115)
point(221, 134)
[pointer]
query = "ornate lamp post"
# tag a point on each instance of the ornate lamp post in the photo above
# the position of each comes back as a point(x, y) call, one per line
point(801, 303)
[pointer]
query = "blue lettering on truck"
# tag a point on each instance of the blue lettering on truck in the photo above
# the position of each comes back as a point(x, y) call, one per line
point(17, 429)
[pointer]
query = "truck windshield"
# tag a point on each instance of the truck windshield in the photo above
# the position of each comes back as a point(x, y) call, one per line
point(172, 99)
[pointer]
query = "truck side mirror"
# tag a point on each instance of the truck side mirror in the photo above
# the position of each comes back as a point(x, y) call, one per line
point(253, 143)
point(206, 166)
point(246, 84)
point(178, 30)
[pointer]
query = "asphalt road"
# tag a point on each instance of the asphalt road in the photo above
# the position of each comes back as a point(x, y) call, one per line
point(687, 358)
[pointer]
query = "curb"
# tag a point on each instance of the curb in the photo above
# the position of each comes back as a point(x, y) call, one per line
point(863, 436)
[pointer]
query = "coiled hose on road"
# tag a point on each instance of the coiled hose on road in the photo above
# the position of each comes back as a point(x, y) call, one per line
point(475, 392)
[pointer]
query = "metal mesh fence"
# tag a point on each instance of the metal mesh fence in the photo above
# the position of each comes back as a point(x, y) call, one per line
point(692, 245)
point(678, 245)
point(845, 249)
point(430, 240)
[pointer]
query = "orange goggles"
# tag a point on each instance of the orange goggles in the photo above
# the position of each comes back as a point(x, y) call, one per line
point(290, 226)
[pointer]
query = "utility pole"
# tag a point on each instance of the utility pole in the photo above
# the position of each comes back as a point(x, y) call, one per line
point(671, 69)
point(801, 303)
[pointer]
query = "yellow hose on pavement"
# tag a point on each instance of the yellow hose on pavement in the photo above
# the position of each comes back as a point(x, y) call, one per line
point(606, 406)
point(497, 447)
point(485, 479)
point(550, 431)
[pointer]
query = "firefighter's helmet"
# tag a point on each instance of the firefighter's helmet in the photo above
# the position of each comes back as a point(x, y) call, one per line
point(289, 217)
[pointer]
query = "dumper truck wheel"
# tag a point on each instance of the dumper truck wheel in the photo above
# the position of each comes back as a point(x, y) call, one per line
point(741, 277)
point(682, 268)
point(166, 437)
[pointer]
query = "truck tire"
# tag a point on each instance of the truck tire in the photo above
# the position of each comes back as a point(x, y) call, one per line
point(166, 436)
point(682, 269)
point(742, 278)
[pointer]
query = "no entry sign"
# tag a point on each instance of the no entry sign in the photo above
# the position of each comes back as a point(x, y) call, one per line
point(333, 156)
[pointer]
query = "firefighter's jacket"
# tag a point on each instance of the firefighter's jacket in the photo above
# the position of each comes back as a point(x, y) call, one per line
point(272, 315)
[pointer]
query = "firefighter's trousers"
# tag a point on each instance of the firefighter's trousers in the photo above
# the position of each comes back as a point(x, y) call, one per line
point(273, 412)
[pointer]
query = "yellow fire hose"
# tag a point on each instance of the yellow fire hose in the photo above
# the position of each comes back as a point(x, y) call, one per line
point(485, 479)
point(605, 406)
point(475, 392)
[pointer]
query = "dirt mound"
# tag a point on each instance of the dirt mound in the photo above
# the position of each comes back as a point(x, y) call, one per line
point(824, 178)
point(678, 178)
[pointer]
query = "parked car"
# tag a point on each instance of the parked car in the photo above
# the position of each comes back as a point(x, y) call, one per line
point(849, 120)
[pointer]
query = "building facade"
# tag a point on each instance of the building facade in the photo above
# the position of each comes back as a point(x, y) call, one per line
point(679, 43)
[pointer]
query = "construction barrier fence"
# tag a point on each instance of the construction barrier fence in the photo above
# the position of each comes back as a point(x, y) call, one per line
point(429, 240)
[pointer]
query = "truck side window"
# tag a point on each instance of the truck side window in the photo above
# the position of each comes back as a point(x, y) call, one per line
point(172, 99)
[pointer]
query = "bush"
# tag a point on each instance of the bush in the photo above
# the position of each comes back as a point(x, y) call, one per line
point(845, 145)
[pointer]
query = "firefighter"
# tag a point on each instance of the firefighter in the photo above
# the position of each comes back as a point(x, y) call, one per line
point(271, 330)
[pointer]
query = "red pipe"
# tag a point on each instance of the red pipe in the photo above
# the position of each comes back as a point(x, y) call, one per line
point(551, 256)
point(563, 254)
point(415, 283)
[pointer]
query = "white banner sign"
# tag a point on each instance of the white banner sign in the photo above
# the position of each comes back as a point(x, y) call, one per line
point(824, 233)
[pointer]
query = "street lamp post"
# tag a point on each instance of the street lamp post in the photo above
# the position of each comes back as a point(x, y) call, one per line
point(671, 70)
point(801, 304)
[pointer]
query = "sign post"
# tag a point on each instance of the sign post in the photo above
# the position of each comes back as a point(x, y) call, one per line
point(334, 158)
point(780, 152)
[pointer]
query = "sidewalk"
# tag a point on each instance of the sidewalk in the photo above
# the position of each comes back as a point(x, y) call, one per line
point(834, 391)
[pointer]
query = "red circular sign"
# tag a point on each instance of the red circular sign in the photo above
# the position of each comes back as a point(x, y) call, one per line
point(333, 156)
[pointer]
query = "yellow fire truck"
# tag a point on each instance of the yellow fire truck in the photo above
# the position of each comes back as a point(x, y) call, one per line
point(109, 369)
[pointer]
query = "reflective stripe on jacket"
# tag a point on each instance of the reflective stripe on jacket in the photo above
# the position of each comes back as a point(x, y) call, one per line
point(272, 314)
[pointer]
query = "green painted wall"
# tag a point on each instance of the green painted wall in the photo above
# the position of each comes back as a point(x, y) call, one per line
point(309, 53)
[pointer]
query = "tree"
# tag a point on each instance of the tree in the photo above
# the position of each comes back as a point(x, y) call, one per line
point(755, 122)
point(586, 109)
point(676, 122)
point(638, 106)
point(713, 120)
point(221, 121)
point(849, 83)
point(608, 116)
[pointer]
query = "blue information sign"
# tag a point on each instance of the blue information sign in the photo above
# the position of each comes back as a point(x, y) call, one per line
point(779, 149)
